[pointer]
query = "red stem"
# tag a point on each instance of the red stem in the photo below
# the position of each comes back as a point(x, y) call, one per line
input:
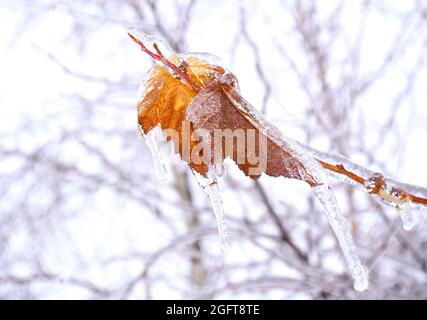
point(159, 57)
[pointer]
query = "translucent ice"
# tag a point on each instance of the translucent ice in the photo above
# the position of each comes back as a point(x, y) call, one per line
point(210, 185)
point(149, 40)
point(389, 191)
point(322, 191)
point(403, 197)
point(219, 168)
point(151, 139)
point(341, 229)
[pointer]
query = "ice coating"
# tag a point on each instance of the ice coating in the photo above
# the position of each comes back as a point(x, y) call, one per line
point(389, 191)
point(408, 221)
point(341, 229)
point(144, 88)
point(338, 159)
point(340, 177)
point(402, 197)
point(150, 40)
point(209, 183)
point(152, 141)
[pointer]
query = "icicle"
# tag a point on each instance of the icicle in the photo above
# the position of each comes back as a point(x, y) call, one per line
point(392, 188)
point(151, 139)
point(210, 185)
point(341, 229)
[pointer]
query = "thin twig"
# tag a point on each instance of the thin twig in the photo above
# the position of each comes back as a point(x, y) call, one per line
point(159, 57)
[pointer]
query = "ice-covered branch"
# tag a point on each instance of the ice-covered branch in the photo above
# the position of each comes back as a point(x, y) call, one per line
point(401, 196)
point(396, 194)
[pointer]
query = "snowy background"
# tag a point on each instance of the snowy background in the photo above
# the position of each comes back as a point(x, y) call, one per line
point(82, 213)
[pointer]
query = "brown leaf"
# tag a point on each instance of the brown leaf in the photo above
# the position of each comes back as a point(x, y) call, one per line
point(211, 109)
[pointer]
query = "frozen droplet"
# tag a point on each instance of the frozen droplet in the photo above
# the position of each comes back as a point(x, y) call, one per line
point(342, 232)
point(209, 183)
point(361, 282)
point(151, 139)
point(407, 217)
point(219, 168)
